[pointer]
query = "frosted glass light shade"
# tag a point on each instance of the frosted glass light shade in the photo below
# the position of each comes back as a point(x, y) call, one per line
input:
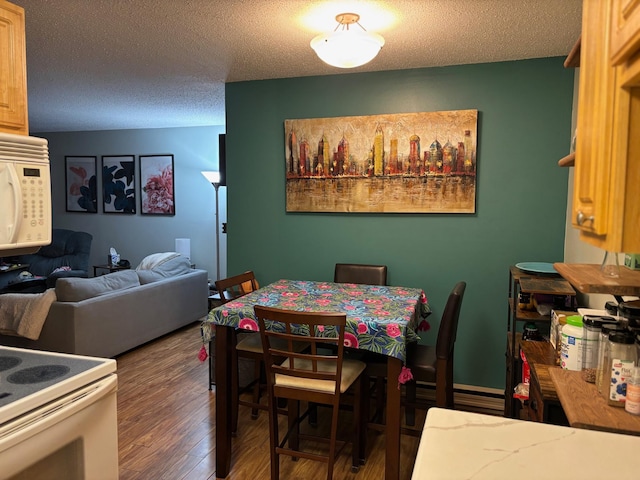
point(347, 48)
point(212, 177)
point(183, 247)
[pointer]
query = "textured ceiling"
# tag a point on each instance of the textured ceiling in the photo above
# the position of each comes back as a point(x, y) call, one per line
point(120, 64)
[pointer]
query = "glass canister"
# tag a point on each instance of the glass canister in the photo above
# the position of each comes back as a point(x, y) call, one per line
point(630, 312)
point(602, 379)
point(621, 357)
point(591, 328)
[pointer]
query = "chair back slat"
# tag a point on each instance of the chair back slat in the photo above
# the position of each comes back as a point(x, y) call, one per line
point(236, 286)
point(314, 328)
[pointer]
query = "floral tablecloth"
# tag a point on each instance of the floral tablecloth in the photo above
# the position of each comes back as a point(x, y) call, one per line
point(380, 319)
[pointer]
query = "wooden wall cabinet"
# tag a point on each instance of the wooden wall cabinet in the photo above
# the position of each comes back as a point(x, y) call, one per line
point(607, 164)
point(13, 70)
point(625, 30)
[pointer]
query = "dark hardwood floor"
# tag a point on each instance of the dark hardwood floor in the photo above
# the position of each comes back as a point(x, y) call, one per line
point(166, 423)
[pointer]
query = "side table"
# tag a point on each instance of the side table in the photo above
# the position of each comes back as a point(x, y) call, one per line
point(110, 268)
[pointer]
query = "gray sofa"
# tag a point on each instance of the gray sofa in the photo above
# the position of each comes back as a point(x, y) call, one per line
point(108, 315)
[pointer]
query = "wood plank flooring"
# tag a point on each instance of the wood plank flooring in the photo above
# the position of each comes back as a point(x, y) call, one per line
point(166, 423)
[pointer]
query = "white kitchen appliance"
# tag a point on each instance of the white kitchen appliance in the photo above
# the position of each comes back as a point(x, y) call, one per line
point(25, 194)
point(57, 416)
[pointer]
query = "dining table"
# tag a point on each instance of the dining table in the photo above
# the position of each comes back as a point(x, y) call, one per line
point(381, 319)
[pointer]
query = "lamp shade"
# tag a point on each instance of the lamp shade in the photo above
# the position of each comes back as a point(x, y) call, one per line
point(183, 247)
point(212, 177)
point(347, 48)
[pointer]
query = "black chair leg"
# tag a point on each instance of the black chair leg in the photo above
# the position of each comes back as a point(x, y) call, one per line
point(410, 409)
point(313, 414)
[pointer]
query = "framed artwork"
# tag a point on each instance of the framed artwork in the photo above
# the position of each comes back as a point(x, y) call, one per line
point(156, 185)
point(81, 190)
point(392, 163)
point(118, 184)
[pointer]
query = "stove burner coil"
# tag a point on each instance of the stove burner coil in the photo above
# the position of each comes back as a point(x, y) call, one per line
point(42, 373)
point(7, 363)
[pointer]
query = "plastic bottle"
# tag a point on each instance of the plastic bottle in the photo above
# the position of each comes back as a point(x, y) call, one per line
point(632, 404)
point(571, 350)
point(622, 357)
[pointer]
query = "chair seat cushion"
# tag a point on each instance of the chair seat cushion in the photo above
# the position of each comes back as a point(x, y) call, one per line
point(351, 370)
point(421, 359)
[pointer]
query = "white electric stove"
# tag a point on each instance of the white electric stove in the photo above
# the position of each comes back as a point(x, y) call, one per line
point(57, 415)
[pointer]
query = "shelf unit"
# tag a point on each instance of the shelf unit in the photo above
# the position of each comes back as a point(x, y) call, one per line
point(523, 282)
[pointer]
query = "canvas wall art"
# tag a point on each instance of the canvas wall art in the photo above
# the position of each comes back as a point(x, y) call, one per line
point(118, 184)
point(156, 184)
point(81, 192)
point(390, 163)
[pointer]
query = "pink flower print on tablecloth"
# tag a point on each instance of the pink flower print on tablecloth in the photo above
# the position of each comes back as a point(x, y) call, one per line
point(248, 324)
point(350, 340)
point(393, 330)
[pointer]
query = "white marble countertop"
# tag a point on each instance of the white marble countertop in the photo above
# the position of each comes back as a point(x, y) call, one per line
point(462, 445)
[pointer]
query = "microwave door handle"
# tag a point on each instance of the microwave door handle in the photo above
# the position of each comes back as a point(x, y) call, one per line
point(14, 219)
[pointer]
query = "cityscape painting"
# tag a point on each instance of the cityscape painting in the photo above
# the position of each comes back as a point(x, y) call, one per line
point(391, 163)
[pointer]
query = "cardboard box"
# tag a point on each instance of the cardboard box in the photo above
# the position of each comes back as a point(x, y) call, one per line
point(632, 261)
point(558, 319)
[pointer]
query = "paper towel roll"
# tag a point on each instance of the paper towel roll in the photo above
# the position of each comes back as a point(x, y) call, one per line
point(183, 247)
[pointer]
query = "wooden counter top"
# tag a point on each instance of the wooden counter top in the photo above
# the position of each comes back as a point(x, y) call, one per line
point(585, 408)
point(588, 279)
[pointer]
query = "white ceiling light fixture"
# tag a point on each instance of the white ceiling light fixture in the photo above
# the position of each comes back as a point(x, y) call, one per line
point(347, 47)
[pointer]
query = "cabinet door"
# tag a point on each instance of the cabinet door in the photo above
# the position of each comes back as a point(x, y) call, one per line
point(625, 30)
point(605, 206)
point(13, 70)
point(594, 135)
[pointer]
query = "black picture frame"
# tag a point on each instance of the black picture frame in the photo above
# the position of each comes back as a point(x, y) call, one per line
point(118, 184)
point(157, 194)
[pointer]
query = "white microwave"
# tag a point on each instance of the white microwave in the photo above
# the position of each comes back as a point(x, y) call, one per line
point(25, 194)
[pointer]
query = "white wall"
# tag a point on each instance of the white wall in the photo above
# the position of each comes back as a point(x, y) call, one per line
point(134, 236)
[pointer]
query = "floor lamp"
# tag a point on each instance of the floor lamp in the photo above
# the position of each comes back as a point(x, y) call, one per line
point(214, 179)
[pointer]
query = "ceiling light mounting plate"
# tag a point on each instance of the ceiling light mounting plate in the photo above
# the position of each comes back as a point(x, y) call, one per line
point(347, 18)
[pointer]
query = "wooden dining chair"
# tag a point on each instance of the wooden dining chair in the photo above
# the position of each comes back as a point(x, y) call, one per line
point(434, 364)
point(430, 364)
point(360, 274)
point(248, 347)
point(311, 377)
point(364, 275)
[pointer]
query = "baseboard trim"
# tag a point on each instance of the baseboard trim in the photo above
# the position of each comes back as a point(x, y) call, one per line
point(468, 397)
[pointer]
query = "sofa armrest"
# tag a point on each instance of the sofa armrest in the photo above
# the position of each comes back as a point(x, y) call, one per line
point(52, 278)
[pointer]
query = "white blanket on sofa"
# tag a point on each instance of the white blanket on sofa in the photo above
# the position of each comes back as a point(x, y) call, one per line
point(23, 314)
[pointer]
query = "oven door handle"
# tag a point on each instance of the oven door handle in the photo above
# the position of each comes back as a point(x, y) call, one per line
point(56, 411)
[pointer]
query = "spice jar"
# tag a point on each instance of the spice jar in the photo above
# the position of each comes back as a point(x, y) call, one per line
point(602, 380)
point(621, 357)
point(591, 328)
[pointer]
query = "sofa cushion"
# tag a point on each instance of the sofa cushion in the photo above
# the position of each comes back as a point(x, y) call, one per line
point(78, 289)
point(148, 276)
point(161, 265)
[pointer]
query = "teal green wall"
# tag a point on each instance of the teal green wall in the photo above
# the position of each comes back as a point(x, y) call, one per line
point(523, 129)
